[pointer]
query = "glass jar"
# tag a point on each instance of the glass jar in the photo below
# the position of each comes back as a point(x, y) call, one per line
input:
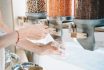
point(36, 6)
point(36, 9)
point(89, 9)
point(27, 66)
point(59, 7)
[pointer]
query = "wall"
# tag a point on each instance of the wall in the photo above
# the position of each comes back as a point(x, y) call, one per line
point(6, 8)
point(19, 8)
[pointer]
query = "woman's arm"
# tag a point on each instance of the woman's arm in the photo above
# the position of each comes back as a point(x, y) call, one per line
point(28, 31)
point(4, 27)
point(12, 37)
point(8, 39)
point(36, 31)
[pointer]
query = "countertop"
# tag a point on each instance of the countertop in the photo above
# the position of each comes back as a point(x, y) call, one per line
point(75, 58)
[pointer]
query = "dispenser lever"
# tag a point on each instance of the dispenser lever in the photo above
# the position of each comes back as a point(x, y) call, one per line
point(75, 34)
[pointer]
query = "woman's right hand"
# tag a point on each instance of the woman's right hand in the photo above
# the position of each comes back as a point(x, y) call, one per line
point(48, 49)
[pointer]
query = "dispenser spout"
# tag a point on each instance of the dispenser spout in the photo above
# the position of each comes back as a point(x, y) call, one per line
point(75, 33)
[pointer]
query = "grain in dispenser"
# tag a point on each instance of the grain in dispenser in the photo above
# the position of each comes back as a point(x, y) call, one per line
point(88, 15)
point(36, 9)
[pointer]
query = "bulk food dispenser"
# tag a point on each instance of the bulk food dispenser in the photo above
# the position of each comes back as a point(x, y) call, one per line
point(36, 9)
point(58, 13)
point(88, 15)
point(84, 16)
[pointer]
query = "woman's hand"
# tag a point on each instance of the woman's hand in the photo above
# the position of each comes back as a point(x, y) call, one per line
point(42, 50)
point(36, 31)
point(33, 31)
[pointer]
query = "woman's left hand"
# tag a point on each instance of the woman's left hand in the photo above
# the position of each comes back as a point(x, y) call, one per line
point(33, 31)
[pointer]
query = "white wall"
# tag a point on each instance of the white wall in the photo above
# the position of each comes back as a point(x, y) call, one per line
point(6, 8)
point(19, 8)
